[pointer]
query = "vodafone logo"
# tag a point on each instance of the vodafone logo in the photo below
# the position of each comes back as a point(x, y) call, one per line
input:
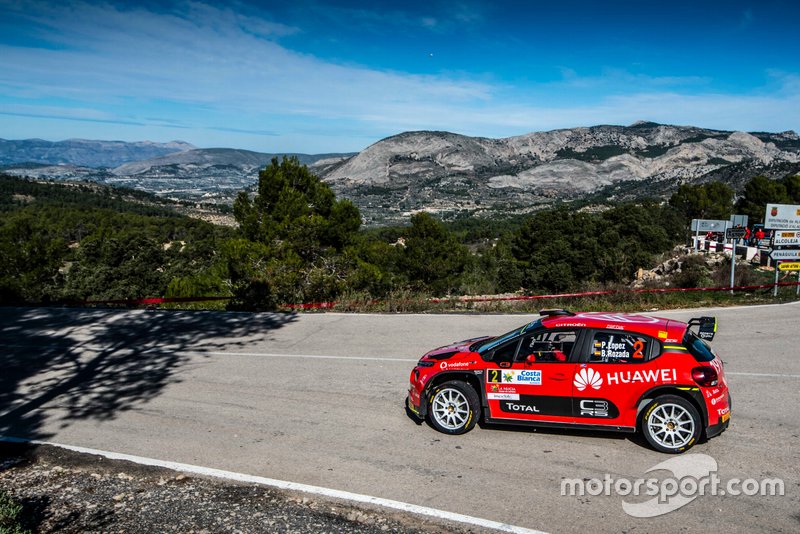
point(454, 365)
point(587, 377)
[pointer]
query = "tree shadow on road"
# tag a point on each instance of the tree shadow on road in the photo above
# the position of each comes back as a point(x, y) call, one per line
point(60, 365)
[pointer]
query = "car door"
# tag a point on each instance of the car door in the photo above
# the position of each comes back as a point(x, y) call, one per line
point(530, 378)
point(617, 370)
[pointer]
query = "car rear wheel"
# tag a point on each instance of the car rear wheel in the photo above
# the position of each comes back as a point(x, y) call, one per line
point(454, 407)
point(671, 424)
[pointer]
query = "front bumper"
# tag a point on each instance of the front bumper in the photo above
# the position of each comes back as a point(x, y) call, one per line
point(419, 408)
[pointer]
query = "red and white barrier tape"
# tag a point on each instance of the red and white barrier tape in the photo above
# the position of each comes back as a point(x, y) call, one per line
point(332, 304)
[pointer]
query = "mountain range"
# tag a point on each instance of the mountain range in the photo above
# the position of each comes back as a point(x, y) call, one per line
point(452, 174)
point(84, 152)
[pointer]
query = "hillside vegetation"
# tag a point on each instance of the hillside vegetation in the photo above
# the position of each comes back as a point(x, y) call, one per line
point(296, 242)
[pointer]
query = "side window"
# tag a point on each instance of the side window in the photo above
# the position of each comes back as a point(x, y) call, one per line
point(505, 353)
point(547, 346)
point(622, 347)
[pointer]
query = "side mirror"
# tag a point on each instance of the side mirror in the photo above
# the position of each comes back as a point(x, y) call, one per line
point(531, 358)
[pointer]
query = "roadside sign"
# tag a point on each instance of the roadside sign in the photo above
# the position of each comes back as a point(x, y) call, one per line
point(782, 216)
point(787, 237)
point(708, 225)
point(738, 220)
point(734, 233)
point(789, 266)
point(785, 254)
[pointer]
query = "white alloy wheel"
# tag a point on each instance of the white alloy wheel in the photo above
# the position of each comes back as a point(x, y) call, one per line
point(671, 424)
point(454, 407)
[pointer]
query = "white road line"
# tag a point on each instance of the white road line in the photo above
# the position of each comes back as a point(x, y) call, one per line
point(291, 486)
point(743, 307)
point(99, 348)
point(325, 357)
point(311, 356)
point(772, 375)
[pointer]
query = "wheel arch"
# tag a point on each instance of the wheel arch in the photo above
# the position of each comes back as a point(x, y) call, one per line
point(689, 393)
point(465, 376)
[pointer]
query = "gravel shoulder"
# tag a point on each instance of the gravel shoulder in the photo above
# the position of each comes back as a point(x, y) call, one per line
point(64, 491)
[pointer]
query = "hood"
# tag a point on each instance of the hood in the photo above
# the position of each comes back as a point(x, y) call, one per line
point(448, 351)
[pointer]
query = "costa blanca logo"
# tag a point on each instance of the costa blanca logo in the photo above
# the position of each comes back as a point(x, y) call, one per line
point(587, 377)
point(531, 377)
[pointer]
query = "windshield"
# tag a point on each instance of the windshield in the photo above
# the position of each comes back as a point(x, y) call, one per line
point(488, 344)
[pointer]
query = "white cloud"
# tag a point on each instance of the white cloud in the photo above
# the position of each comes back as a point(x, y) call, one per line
point(214, 70)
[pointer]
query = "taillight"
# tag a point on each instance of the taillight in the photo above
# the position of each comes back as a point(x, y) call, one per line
point(705, 376)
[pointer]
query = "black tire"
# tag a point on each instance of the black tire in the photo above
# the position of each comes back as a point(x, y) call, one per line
point(671, 424)
point(453, 407)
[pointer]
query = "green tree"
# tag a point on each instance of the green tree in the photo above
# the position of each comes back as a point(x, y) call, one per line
point(302, 231)
point(293, 208)
point(431, 258)
point(792, 184)
point(245, 265)
point(713, 200)
point(759, 192)
point(31, 255)
point(560, 250)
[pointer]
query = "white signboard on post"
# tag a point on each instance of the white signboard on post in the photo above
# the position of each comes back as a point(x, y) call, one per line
point(782, 217)
point(738, 220)
point(708, 225)
point(787, 237)
point(785, 254)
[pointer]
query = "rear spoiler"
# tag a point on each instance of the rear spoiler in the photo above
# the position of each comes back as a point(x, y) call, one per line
point(707, 327)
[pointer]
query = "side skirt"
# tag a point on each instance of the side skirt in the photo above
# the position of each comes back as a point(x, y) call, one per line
point(550, 424)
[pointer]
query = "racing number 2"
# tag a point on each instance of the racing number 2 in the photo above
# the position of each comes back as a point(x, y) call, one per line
point(494, 375)
point(638, 347)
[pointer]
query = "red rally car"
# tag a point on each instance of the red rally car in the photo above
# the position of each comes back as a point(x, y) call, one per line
point(620, 372)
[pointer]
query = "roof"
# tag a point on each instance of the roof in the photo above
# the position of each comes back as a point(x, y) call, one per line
point(617, 321)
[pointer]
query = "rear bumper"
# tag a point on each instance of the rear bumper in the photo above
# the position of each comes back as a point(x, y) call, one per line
point(716, 430)
point(719, 428)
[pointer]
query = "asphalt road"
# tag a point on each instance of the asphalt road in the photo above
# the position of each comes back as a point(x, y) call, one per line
point(318, 399)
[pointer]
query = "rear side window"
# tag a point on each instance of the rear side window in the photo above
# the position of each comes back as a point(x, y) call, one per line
point(698, 348)
point(622, 347)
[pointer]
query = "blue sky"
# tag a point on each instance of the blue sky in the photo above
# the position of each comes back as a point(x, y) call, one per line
point(334, 76)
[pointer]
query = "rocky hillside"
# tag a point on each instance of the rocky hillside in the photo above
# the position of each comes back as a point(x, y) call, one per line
point(445, 172)
point(191, 161)
point(211, 175)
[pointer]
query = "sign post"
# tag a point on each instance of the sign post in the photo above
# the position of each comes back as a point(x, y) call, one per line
point(739, 220)
point(775, 288)
point(734, 234)
point(787, 266)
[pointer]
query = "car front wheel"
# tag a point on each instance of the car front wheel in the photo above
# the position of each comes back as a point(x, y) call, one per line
point(671, 424)
point(454, 407)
